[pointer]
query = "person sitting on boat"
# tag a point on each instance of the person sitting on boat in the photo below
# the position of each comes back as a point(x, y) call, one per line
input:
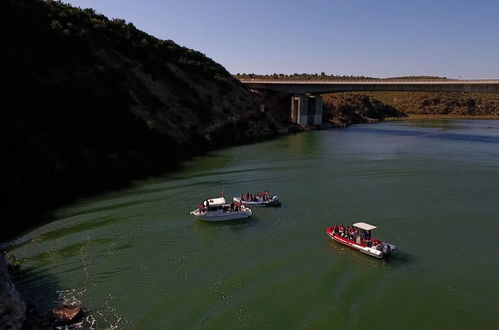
point(367, 235)
point(350, 233)
point(336, 230)
point(341, 230)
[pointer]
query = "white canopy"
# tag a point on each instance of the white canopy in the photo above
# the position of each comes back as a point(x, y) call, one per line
point(363, 225)
point(216, 201)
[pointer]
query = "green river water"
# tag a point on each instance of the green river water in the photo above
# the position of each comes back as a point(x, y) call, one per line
point(135, 258)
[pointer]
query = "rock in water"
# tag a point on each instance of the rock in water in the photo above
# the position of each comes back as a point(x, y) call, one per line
point(67, 315)
point(12, 306)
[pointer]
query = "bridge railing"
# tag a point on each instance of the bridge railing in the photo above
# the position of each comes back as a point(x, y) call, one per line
point(291, 81)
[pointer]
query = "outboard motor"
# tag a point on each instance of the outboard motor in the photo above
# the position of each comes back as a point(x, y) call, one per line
point(275, 201)
point(393, 248)
point(386, 249)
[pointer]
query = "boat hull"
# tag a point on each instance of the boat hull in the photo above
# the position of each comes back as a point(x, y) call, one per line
point(218, 216)
point(359, 247)
point(268, 203)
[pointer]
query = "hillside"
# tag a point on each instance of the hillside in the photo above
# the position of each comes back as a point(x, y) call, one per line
point(345, 109)
point(464, 104)
point(88, 101)
point(350, 108)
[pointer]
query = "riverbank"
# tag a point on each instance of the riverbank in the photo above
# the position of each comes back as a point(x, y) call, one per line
point(441, 117)
point(12, 306)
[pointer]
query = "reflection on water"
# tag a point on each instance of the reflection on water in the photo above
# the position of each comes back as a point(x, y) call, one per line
point(440, 124)
point(136, 259)
point(311, 143)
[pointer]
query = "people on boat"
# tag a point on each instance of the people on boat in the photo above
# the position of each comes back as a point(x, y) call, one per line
point(201, 207)
point(262, 196)
point(353, 234)
point(235, 206)
point(367, 235)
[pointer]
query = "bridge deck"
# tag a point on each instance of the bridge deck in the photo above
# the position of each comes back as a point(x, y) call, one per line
point(321, 87)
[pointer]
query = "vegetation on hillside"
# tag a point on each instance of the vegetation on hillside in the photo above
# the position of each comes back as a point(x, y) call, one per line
point(350, 108)
point(87, 100)
point(462, 104)
point(323, 77)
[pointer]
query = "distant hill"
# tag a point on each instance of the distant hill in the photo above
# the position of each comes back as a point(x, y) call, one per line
point(87, 100)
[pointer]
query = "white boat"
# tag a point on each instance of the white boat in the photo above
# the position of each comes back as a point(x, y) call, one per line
point(258, 200)
point(216, 209)
point(360, 239)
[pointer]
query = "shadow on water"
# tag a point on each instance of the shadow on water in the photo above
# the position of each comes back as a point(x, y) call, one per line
point(42, 202)
point(443, 124)
point(43, 292)
point(38, 288)
point(446, 136)
point(236, 224)
point(395, 259)
point(467, 137)
point(400, 258)
point(394, 132)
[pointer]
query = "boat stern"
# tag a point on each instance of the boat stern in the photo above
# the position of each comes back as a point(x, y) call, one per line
point(248, 211)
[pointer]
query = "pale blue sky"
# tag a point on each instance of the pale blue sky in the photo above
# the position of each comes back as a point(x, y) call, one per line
point(379, 38)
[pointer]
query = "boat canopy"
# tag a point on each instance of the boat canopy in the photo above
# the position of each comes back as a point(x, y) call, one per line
point(216, 201)
point(363, 225)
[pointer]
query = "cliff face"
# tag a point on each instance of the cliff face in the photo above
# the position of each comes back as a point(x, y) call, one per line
point(85, 98)
point(12, 307)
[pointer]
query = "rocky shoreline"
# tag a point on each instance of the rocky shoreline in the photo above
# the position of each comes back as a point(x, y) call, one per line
point(12, 306)
point(16, 313)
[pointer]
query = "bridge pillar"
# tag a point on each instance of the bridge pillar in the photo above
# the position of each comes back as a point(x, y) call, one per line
point(306, 109)
point(317, 116)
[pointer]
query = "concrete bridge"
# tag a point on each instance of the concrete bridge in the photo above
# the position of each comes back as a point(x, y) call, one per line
point(306, 99)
